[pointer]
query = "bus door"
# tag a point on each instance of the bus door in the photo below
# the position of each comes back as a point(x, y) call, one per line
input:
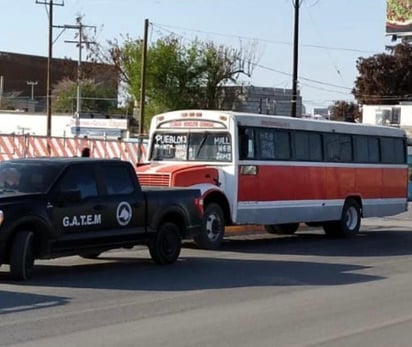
point(248, 180)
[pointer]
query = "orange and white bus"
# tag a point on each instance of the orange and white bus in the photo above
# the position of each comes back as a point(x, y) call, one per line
point(278, 171)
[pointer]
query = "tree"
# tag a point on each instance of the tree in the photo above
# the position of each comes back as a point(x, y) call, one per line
point(345, 111)
point(221, 66)
point(385, 78)
point(178, 76)
point(95, 97)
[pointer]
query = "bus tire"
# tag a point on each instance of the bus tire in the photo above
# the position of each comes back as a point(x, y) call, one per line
point(213, 229)
point(350, 221)
point(166, 245)
point(22, 256)
point(90, 255)
point(282, 229)
point(314, 224)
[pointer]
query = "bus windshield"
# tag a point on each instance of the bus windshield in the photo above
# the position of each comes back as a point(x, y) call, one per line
point(188, 146)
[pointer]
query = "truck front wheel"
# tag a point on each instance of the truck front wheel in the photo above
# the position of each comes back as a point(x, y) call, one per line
point(22, 256)
point(166, 245)
point(213, 229)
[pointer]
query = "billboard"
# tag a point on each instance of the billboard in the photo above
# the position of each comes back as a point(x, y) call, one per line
point(399, 17)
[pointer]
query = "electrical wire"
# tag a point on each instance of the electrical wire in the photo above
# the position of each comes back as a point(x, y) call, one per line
point(164, 26)
point(301, 78)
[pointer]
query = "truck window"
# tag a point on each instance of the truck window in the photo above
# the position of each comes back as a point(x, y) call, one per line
point(80, 178)
point(117, 180)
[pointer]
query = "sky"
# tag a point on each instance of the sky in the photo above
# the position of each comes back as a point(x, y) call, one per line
point(333, 34)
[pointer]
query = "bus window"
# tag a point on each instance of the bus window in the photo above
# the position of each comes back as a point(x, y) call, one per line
point(308, 146)
point(338, 147)
point(246, 143)
point(393, 150)
point(273, 144)
point(366, 149)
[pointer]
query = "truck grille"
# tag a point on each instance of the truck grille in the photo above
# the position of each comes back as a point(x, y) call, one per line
point(154, 180)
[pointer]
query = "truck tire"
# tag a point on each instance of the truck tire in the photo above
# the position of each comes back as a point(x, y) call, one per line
point(282, 229)
point(350, 221)
point(165, 247)
point(22, 256)
point(213, 229)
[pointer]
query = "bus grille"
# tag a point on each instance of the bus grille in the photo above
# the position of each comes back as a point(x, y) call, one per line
point(154, 180)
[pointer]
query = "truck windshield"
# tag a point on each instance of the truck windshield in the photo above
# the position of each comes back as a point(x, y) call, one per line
point(26, 177)
point(200, 146)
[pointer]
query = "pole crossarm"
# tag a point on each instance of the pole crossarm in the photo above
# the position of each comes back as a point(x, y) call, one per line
point(79, 42)
point(50, 2)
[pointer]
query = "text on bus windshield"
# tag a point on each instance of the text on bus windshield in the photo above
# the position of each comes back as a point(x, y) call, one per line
point(204, 146)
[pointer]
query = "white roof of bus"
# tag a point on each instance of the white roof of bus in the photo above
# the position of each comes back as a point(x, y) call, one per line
point(285, 122)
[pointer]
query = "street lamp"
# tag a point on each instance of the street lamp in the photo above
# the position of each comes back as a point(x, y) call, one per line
point(32, 84)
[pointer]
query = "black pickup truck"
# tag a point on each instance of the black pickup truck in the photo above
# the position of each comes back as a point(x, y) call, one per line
point(55, 207)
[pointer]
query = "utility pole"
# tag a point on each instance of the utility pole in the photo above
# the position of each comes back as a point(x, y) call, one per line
point(32, 84)
point(1, 89)
point(296, 4)
point(142, 88)
point(143, 78)
point(50, 3)
point(81, 40)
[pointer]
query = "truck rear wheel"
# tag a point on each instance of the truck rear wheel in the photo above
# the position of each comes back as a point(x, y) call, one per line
point(165, 247)
point(22, 256)
point(213, 229)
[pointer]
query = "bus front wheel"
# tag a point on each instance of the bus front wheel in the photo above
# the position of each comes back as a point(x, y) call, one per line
point(213, 229)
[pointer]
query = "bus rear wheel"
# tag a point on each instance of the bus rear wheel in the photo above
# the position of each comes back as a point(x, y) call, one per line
point(283, 229)
point(350, 221)
point(213, 229)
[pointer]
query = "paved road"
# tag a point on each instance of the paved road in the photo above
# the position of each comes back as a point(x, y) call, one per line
point(260, 290)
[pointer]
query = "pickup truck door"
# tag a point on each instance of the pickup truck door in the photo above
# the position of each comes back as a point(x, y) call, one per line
point(125, 204)
point(75, 207)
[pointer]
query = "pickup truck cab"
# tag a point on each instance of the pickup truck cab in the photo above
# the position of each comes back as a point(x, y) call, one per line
point(55, 207)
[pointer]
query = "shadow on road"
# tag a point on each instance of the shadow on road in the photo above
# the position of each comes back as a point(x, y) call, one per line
point(194, 273)
point(226, 269)
point(377, 243)
point(12, 302)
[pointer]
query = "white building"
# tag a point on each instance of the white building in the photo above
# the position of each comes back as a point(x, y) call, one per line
point(391, 115)
point(89, 125)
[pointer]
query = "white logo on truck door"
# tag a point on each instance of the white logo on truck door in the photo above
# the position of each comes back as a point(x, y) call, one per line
point(124, 213)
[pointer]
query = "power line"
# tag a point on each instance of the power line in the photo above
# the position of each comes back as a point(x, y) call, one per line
point(288, 43)
point(271, 69)
point(302, 78)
